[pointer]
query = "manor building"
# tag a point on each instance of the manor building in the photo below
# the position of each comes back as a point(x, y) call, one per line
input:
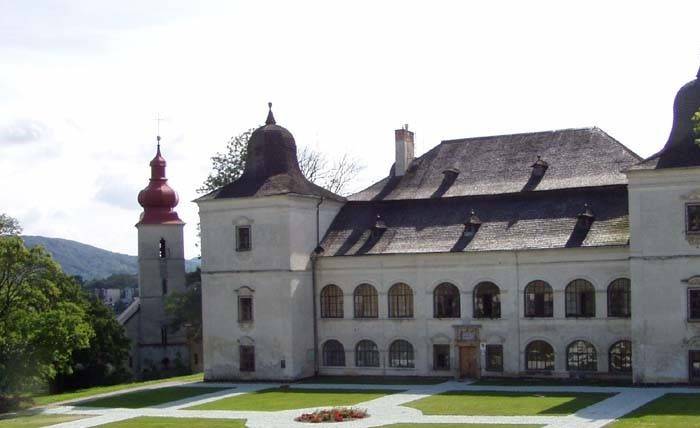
point(559, 253)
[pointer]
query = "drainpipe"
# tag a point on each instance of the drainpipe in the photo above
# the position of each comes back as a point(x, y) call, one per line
point(314, 256)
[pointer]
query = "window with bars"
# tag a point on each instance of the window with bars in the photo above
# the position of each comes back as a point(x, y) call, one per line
point(694, 366)
point(162, 249)
point(164, 286)
point(620, 357)
point(539, 300)
point(581, 356)
point(366, 301)
point(245, 308)
point(494, 358)
point(580, 299)
point(619, 298)
point(694, 304)
point(333, 354)
point(441, 357)
point(446, 301)
point(539, 356)
point(243, 238)
point(164, 335)
point(247, 358)
point(400, 301)
point(487, 300)
point(401, 354)
point(331, 302)
point(366, 354)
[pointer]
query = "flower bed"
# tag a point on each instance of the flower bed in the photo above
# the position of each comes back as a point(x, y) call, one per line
point(336, 414)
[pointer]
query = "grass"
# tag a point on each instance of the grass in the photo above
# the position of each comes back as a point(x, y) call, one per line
point(154, 422)
point(458, 426)
point(482, 403)
point(36, 421)
point(553, 382)
point(275, 399)
point(43, 400)
point(669, 411)
point(150, 397)
point(376, 380)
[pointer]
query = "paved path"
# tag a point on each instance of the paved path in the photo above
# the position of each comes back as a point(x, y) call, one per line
point(385, 410)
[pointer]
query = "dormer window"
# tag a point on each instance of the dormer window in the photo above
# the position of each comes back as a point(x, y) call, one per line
point(471, 226)
point(692, 219)
point(451, 173)
point(586, 217)
point(243, 238)
point(379, 226)
point(539, 167)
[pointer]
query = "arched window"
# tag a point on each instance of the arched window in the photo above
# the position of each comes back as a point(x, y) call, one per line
point(580, 299)
point(401, 354)
point(581, 356)
point(620, 357)
point(331, 302)
point(539, 355)
point(487, 300)
point(539, 300)
point(366, 354)
point(400, 301)
point(619, 298)
point(333, 354)
point(366, 301)
point(446, 301)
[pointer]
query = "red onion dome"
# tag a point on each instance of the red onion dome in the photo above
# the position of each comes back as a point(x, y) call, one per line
point(158, 199)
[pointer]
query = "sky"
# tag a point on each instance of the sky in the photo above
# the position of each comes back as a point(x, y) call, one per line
point(81, 84)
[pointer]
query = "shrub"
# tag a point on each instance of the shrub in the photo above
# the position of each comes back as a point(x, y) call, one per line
point(336, 414)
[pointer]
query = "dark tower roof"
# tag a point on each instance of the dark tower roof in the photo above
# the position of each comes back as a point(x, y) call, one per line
point(272, 168)
point(680, 149)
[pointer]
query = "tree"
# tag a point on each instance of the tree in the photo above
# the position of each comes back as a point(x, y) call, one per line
point(9, 225)
point(696, 126)
point(42, 317)
point(102, 363)
point(333, 175)
point(185, 309)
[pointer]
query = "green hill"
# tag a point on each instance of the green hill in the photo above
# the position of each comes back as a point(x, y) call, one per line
point(90, 262)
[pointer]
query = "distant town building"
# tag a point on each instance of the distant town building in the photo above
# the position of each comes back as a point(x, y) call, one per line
point(559, 253)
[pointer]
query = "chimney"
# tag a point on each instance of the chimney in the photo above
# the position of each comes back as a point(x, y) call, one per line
point(404, 150)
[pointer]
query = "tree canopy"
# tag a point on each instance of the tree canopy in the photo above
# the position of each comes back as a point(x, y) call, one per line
point(9, 225)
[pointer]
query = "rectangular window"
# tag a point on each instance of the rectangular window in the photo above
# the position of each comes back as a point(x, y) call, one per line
point(245, 309)
point(243, 241)
point(164, 335)
point(164, 286)
point(247, 358)
point(494, 358)
point(692, 218)
point(196, 359)
point(441, 357)
point(694, 304)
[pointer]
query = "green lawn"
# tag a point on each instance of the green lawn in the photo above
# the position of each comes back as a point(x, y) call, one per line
point(42, 400)
point(458, 426)
point(482, 403)
point(150, 397)
point(553, 382)
point(150, 422)
point(669, 411)
point(36, 421)
point(376, 380)
point(292, 398)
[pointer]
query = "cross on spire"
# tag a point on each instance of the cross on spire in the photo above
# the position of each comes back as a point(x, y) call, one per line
point(158, 120)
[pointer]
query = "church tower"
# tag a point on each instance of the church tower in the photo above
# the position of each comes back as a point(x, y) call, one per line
point(161, 272)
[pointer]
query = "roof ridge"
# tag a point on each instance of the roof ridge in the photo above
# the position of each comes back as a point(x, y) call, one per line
point(552, 131)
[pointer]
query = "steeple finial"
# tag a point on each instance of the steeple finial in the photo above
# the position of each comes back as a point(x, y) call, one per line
point(158, 142)
point(270, 118)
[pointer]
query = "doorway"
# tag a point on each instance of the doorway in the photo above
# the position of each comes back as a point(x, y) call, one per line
point(694, 366)
point(469, 362)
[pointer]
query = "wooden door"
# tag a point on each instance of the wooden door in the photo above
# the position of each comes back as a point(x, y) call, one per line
point(694, 366)
point(468, 362)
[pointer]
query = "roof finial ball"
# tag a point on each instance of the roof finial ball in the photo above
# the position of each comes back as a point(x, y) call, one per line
point(270, 118)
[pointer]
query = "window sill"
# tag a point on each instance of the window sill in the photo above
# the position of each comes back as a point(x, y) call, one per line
point(488, 318)
point(538, 317)
point(693, 320)
point(447, 318)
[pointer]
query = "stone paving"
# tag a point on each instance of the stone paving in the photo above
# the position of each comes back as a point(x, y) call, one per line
point(383, 411)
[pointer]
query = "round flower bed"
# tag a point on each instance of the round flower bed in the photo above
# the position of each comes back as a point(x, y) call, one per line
point(336, 414)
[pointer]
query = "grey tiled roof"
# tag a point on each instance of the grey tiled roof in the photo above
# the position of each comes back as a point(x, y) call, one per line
point(526, 220)
point(502, 164)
